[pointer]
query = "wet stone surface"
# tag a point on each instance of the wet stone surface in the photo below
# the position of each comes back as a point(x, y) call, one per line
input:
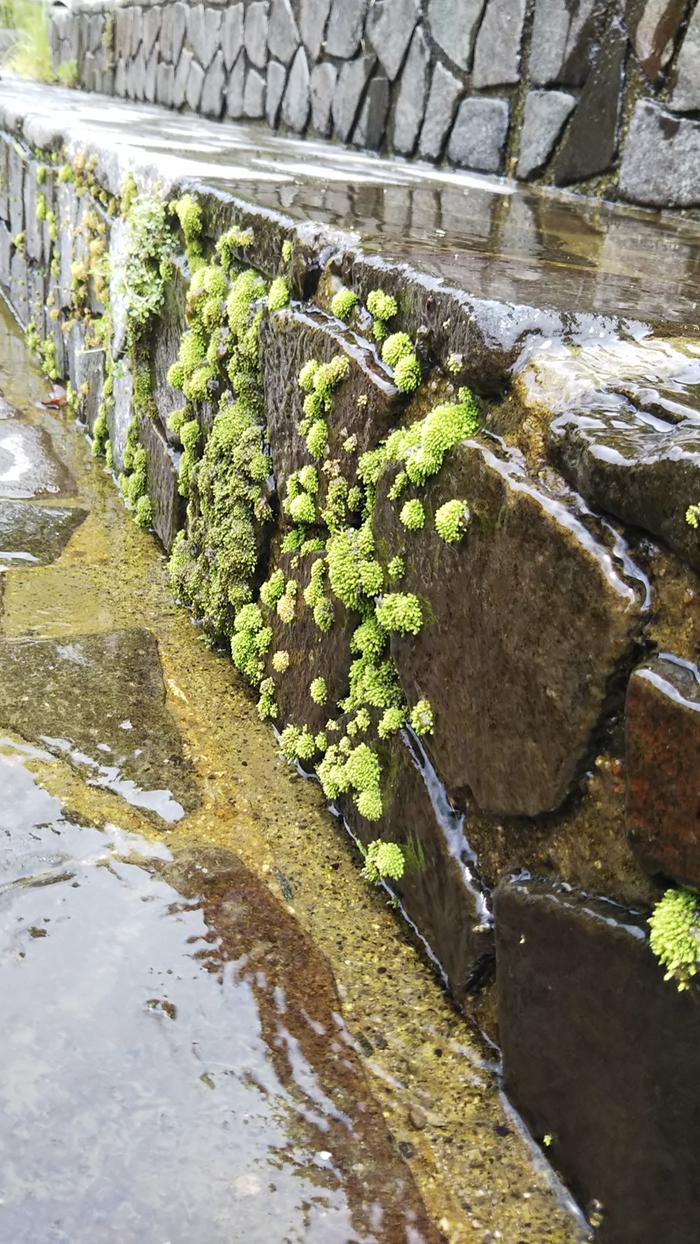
point(36, 534)
point(100, 701)
point(29, 466)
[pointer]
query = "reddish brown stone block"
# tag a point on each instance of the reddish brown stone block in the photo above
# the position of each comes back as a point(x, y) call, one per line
point(663, 768)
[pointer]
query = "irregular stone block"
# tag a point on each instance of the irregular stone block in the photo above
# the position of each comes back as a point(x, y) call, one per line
point(297, 97)
point(686, 92)
point(282, 31)
point(235, 88)
point(232, 34)
point(255, 33)
point(323, 80)
point(18, 285)
point(16, 172)
point(119, 415)
point(369, 130)
point(172, 31)
point(204, 33)
point(562, 40)
point(590, 142)
point(162, 468)
point(497, 51)
point(345, 27)
point(602, 1056)
point(479, 134)
point(254, 95)
point(652, 27)
point(151, 29)
point(212, 101)
point(352, 80)
point(29, 464)
point(165, 85)
point(662, 718)
point(313, 16)
point(410, 104)
point(195, 82)
point(390, 25)
point(543, 120)
point(149, 80)
point(122, 32)
point(445, 90)
point(136, 29)
point(535, 616)
point(453, 25)
point(276, 80)
point(182, 74)
point(36, 533)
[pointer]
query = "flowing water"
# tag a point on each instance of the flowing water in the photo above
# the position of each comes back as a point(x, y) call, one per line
point(212, 1028)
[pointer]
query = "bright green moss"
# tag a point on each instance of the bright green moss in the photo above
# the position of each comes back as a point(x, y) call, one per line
point(302, 509)
point(452, 520)
point(148, 251)
point(143, 512)
point(692, 516)
point(286, 250)
point(413, 515)
point(278, 296)
point(421, 718)
point(306, 376)
point(41, 206)
point(229, 243)
point(247, 288)
point(369, 639)
point(317, 439)
point(308, 478)
point(383, 860)
point(382, 307)
point(280, 661)
point(318, 690)
point(407, 374)
point(396, 347)
point(396, 568)
point(190, 435)
point(272, 589)
point(675, 935)
point(41, 174)
point(286, 605)
point(343, 303)
point(189, 215)
point(400, 612)
point(267, 705)
point(100, 434)
point(297, 743)
point(390, 722)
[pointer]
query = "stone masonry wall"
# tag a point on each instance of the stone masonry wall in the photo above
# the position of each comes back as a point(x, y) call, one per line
point(546, 705)
point(598, 95)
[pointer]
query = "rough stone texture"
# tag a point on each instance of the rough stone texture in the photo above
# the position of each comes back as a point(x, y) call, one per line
point(276, 79)
point(165, 85)
point(686, 93)
point(195, 83)
point(652, 25)
point(575, 977)
point(562, 38)
point(410, 104)
point(29, 464)
point(256, 33)
point(150, 31)
point(543, 120)
point(174, 25)
point(348, 93)
point(313, 17)
point(661, 159)
point(150, 74)
point(323, 78)
point(445, 90)
point(497, 51)
point(212, 101)
point(390, 24)
point(182, 74)
point(232, 34)
point(297, 98)
point(453, 24)
point(590, 142)
point(369, 130)
point(345, 26)
point(526, 673)
point(35, 532)
point(162, 483)
point(479, 134)
point(662, 717)
point(254, 94)
point(235, 88)
point(282, 32)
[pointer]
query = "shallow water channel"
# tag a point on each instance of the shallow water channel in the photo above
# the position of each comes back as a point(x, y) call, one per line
point(212, 1028)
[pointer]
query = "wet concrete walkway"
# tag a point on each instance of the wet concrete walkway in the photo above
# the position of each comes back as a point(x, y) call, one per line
point(212, 1028)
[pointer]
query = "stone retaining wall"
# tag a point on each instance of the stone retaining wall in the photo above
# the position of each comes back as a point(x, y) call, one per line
point(602, 97)
point(519, 647)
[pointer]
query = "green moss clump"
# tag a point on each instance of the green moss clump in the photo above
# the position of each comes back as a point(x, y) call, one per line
point(692, 516)
point(250, 641)
point(297, 743)
point(148, 251)
point(353, 770)
point(272, 589)
point(144, 512)
point(382, 307)
point(396, 568)
point(41, 174)
point(675, 935)
point(267, 704)
point(390, 722)
point(278, 295)
point(421, 718)
point(41, 206)
point(407, 374)
point(413, 515)
point(229, 243)
point(280, 661)
point(189, 215)
point(343, 303)
point(400, 612)
point(452, 520)
point(383, 859)
point(397, 347)
point(318, 690)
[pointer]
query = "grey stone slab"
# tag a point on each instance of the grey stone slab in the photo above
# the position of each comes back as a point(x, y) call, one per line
point(204, 33)
point(410, 103)
point(255, 33)
point(150, 75)
point(479, 134)
point(235, 88)
point(297, 97)
point(453, 26)
point(371, 124)
point(661, 158)
point(16, 173)
point(119, 414)
point(18, 286)
point(282, 31)
point(390, 25)
point(351, 83)
point(29, 464)
point(182, 74)
point(33, 234)
point(136, 29)
point(232, 34)
point(686, 93)
point(122, 32)
point(120, 79)
point(323, 80)
point(276, 79)
point(137, 75)
point(151, 29)
point(313, 17)
point(562, 38)
point(195, 82)
point(543, 119)
point(212, 101)
point(172, 31)
point(165, 85)
point(254, 95)
point(653, 26)
point(497, 51)
point(445, 90)
point(4, 254)
point(345, 27)
point(590, 142)
point(36, 533)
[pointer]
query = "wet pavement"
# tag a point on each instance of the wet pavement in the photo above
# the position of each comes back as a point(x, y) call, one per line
point(212, 1028)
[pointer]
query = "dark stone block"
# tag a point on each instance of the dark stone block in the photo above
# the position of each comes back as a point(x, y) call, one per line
point(562, 42)
point(652, 26)
point(663, 768)
point(661, 158)
point(168, 505)
point(602, 1056)
point(590, 142)
point(36, 533)
point(525, 628)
